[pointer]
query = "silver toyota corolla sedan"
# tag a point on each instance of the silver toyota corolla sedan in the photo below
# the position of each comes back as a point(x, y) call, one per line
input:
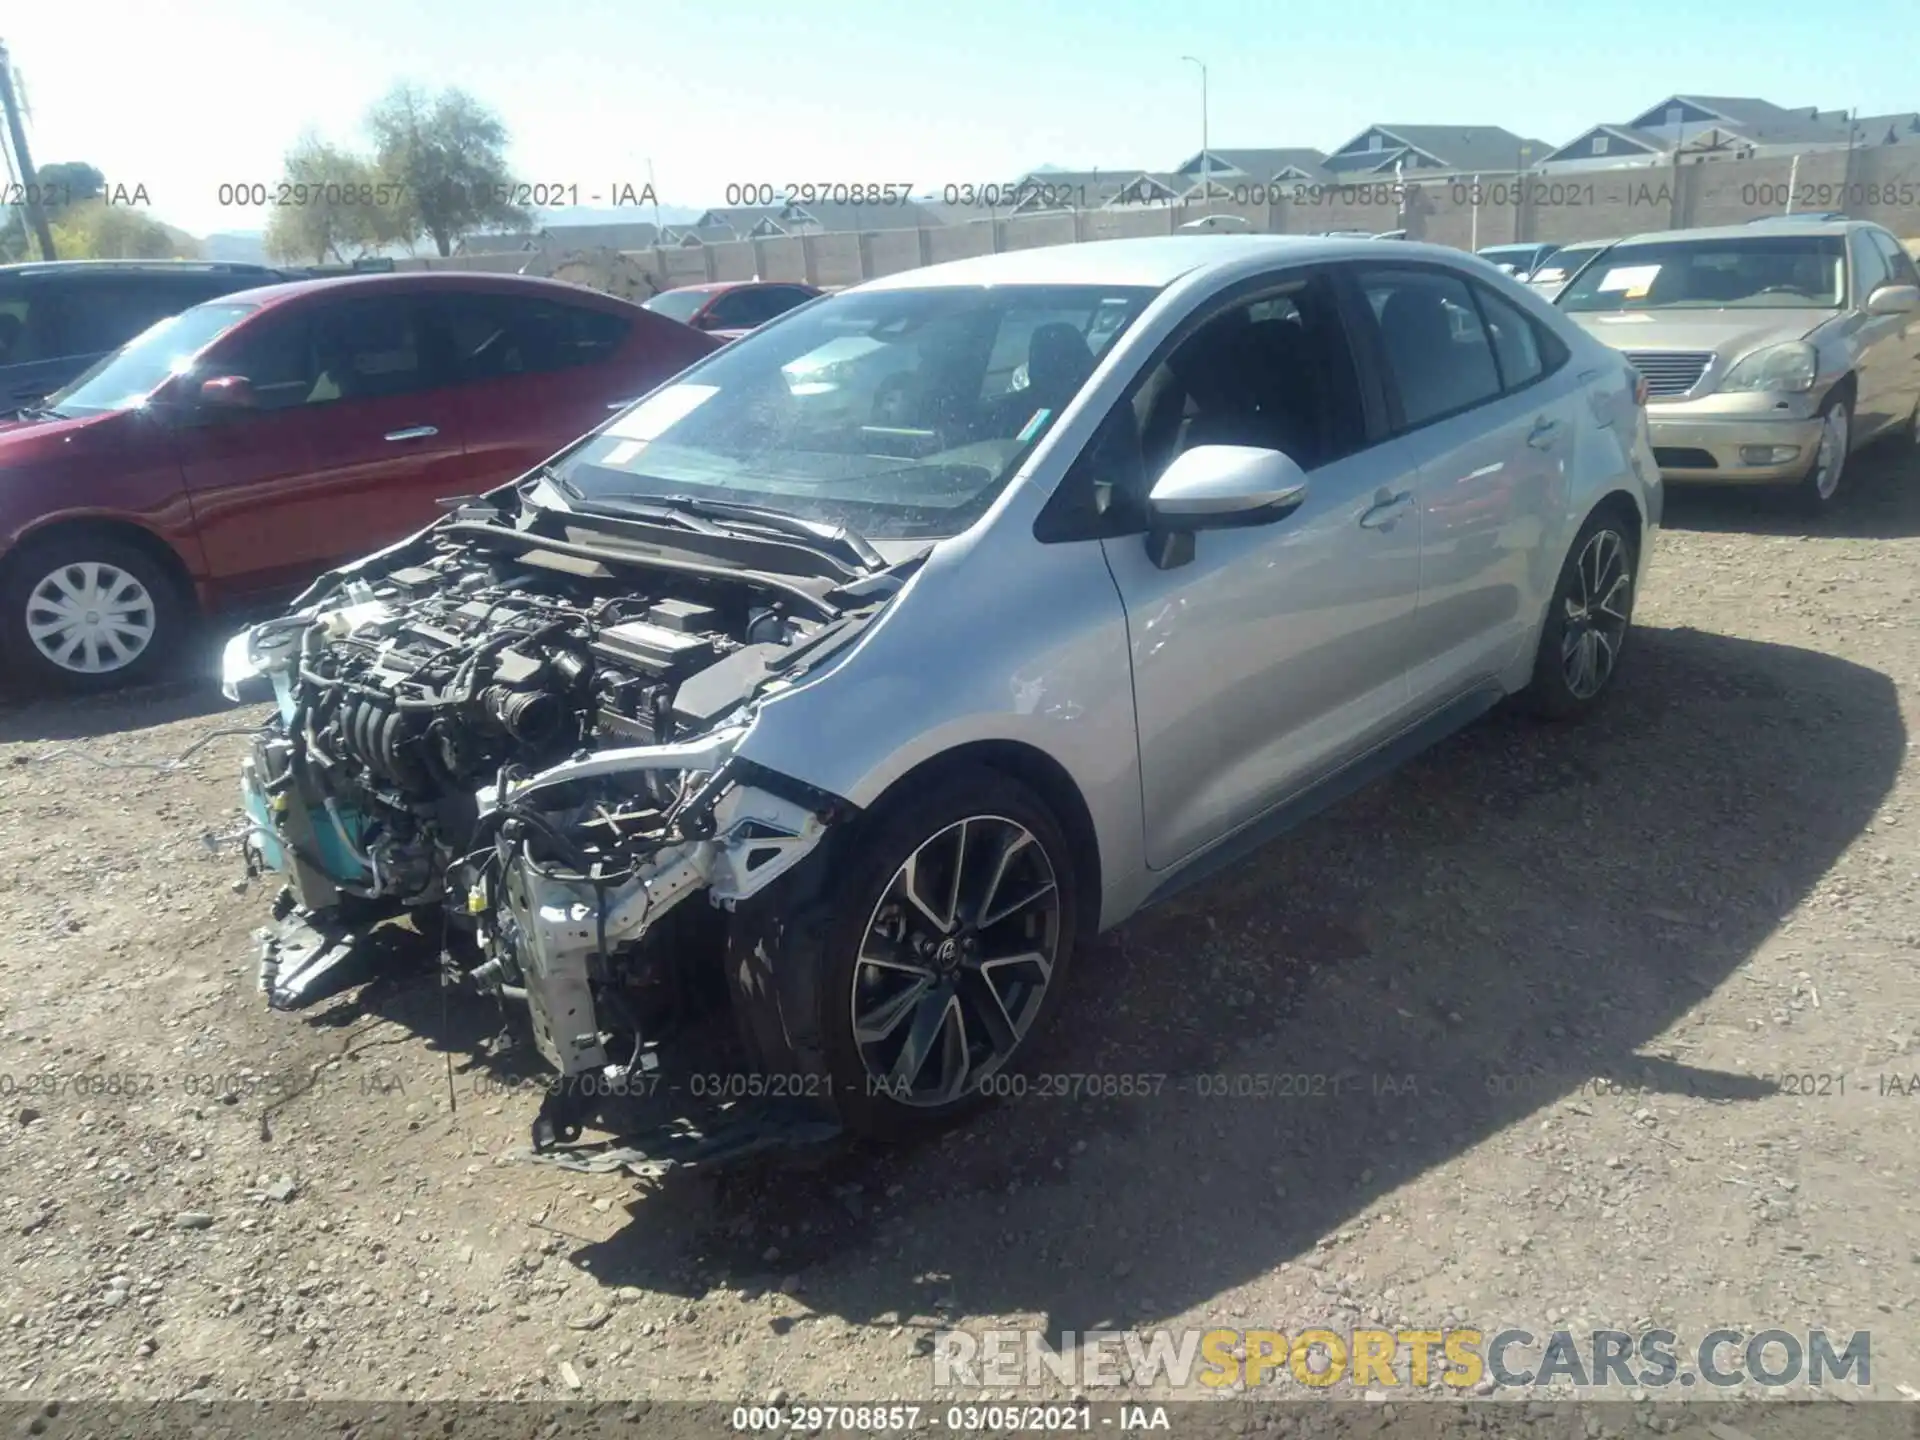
point(774, 745)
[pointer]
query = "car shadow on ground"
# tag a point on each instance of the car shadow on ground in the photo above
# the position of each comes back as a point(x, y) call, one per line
point(1421, 968)
point(1879, 500)
point(190, 690)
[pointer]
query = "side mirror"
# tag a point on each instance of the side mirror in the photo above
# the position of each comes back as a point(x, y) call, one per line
point(228, 392)
point(1218, 487)
point(1894, 300)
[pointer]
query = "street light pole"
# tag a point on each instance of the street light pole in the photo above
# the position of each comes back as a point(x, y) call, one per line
point(1206, 161)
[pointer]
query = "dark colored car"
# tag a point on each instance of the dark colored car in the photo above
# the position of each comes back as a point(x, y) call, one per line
point(728, 309)
point(233, 451)
point(58, 317)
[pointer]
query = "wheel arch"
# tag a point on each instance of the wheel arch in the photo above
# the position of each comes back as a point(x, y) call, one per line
point(1622, 505)
point(1048, 779)
point(127, 531)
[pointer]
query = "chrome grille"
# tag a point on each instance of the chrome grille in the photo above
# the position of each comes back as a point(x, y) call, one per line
point(1670, 372)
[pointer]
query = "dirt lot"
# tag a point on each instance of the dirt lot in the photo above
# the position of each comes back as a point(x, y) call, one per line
point(1711, 885)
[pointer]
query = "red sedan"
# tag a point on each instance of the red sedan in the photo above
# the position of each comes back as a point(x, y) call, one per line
point(728, 309)
point(234, 450)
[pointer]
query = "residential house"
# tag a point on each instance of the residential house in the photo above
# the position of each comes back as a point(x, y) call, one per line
point(1694, 128)
point(1245, 171)
point(1054, 190)
point(1385, 150)
point(508, 244)
point(1903, 129)
point(757, 222)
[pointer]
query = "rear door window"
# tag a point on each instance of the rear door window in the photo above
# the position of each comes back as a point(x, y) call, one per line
point(1525, 349)
point(492, 336)
point(1438, 354)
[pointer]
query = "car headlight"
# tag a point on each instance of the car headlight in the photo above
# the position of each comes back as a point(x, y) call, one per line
point(1791, 366)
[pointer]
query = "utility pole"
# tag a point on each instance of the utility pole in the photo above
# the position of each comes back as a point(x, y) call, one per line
point(1206, 161)
point(29, 179)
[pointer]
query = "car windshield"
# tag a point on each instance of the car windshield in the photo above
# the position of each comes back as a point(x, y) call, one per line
point(1796, 272)
point(681, 305)
point(128, 376)
point(897, 413)
point(1563, 263)
point(1510, 254)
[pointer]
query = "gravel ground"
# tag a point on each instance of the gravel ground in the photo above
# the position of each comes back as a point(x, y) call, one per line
point(1553, 978)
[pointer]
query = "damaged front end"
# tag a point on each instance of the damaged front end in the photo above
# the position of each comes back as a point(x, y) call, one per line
point(518, 742)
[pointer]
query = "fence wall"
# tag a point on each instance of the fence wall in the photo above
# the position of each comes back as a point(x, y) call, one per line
point(1881, 184)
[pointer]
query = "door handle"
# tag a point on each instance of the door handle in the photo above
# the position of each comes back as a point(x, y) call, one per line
point(1543, 433)
point(1387, 508)
point(417, 432)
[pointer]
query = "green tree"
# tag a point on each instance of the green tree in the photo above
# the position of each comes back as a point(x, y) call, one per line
point(16, 244)
point(69, 182)
point(94, 230)
point(340, 206)
point(449, 151)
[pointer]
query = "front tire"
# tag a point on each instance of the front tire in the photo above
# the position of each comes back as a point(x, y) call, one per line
point(87, 611)
point(1821, 485)
point(951, 929)
point(1587, 621)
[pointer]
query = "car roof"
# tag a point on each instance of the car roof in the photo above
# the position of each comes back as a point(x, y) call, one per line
point(1154, 262)
point(419, 280)
point(64, 268)
point(1777, 226)
point(714, 287)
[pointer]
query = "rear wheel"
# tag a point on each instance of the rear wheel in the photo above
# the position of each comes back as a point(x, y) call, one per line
point(951, 932)
point(88, 611)
point(1587, 621)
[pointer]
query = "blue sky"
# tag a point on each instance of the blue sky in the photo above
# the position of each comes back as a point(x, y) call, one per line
point(182, 97)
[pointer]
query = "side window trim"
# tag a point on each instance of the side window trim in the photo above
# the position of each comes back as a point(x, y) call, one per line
point(1057, 522)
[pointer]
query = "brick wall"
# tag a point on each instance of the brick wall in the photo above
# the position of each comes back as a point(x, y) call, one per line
point(1880, 183)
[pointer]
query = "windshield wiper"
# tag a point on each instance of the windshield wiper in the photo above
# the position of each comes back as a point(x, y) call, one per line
point(42, 412)
point(837, 537)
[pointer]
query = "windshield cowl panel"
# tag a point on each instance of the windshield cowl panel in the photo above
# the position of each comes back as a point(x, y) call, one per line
point(896, 414)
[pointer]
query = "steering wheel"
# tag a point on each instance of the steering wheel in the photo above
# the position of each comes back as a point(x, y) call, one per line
point(893, 401)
